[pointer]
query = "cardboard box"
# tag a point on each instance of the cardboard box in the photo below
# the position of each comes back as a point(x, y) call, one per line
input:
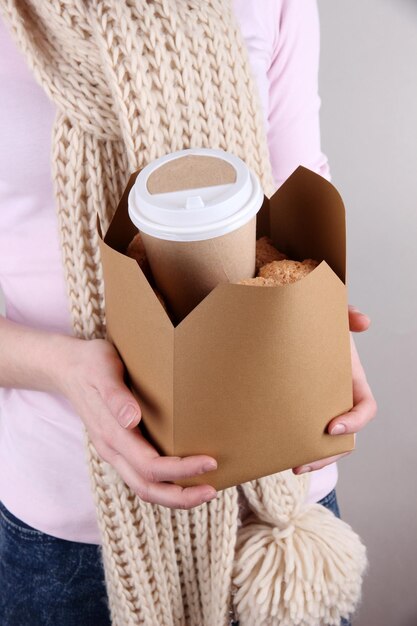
point(253, 375)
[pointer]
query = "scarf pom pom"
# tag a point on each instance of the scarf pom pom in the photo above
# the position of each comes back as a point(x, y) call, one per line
point(308, 573)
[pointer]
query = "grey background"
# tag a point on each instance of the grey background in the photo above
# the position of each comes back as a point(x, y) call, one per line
point(368, 86)
point(369, 129)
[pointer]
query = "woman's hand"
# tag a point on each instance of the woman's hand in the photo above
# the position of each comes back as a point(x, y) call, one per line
point(92, 379)
point(358, 322)
point(364, 404)
point(90, 375)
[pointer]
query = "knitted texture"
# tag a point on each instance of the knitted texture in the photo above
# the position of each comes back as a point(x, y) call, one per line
point(133, 80)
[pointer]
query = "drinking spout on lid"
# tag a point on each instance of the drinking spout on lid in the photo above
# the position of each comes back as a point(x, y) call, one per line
point(194, 202)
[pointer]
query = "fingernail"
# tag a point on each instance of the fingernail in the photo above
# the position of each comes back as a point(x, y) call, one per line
point(339, 429)
point(304, 469)
point(127, 415)
point(209, 466)
point(208, 495)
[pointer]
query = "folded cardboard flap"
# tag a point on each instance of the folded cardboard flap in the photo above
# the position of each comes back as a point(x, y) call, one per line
point(251, 375)
point(143, 334)
point(259, 373)
point(122, 230)
point(307, 220)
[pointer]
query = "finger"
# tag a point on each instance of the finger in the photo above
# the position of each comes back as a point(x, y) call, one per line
point(121, 403)
point(356, 419)
point(138, 452)
point(172, 496)
point(152, 467)
point(358, 321)
point(365, 406)
point(316, 465)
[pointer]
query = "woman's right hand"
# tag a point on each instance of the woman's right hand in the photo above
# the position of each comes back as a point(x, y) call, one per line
point(93, 382)
point(90, 375)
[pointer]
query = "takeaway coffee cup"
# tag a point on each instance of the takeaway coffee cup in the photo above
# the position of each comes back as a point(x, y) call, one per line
point(196, 211)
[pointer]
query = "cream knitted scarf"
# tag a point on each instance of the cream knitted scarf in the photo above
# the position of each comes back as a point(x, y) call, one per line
point(133, 80)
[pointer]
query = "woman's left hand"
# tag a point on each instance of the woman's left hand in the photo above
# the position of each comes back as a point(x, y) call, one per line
point(364, 404)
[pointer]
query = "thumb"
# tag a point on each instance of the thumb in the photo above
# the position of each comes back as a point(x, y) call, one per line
point(121, 403)
point(358, 321)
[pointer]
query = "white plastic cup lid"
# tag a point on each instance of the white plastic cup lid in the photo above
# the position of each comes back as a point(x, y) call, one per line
point(171, 203)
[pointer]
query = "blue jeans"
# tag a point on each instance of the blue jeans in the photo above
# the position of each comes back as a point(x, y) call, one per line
point(45, 581)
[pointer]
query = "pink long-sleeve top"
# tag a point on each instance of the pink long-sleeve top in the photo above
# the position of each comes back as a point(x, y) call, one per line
point(43, 472)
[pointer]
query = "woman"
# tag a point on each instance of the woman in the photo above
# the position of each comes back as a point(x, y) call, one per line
point(126, 82)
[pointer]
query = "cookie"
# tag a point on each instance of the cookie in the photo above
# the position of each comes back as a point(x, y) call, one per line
point(136, 250)
point(257, 282)
point(286, 272)
point(266, 253)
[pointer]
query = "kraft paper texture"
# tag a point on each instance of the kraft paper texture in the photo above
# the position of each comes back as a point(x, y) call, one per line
point(186, 272)
point(252, 375)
